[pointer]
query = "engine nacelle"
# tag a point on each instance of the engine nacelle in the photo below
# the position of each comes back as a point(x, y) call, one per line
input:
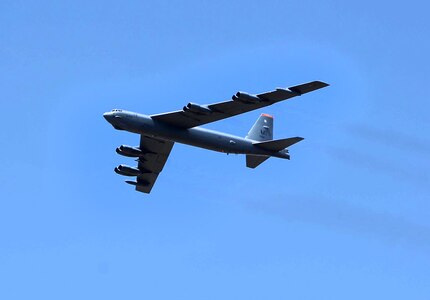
point(246, 98)
point(198, 109)
point(127, 171)
point(129, 151)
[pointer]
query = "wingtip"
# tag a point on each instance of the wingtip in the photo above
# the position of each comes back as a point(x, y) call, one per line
point(322, 83)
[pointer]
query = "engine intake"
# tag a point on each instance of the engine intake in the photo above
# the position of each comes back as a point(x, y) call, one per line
point(198, 109)
point(127, 171)
point(129, 151)
point(246, 98)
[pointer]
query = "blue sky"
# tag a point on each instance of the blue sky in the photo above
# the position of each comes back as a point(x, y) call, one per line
point(346, 218)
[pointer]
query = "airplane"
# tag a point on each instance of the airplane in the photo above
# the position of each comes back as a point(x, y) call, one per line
point(159, 132)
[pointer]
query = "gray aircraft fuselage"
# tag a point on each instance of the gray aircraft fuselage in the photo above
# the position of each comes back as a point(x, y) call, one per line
point(196, 136)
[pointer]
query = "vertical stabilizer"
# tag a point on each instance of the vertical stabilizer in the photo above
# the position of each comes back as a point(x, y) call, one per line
point(262, 129)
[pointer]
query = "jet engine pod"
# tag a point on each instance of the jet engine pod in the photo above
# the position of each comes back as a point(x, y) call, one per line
point(197, 108)
point(127, 171)
point(129, 151)
point(246, 98)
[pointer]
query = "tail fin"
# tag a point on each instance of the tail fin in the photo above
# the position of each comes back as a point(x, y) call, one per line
point(262, 129)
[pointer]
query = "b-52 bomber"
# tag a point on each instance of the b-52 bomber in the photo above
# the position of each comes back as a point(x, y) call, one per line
point(159, 132)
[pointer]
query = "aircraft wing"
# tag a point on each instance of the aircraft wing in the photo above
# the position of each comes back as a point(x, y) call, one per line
point(195, 115)
point(152, 162)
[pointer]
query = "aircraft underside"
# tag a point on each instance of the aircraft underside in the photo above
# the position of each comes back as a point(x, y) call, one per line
point(158, 133)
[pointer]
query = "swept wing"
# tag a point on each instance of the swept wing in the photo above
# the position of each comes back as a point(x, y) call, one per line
point(151, 163)
point(195, 115)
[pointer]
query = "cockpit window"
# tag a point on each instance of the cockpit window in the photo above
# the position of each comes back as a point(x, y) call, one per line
point(116, 110)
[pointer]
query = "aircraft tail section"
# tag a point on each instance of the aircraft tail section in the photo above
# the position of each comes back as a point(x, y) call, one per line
point(261, 135)
point(278, 145)
point(262, 129)
point(253, 161)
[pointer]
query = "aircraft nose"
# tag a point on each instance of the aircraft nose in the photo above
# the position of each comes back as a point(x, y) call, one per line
point(108, 116)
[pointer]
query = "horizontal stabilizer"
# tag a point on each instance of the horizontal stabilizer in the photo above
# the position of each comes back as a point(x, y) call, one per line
point(278, 145)
point(253, 161)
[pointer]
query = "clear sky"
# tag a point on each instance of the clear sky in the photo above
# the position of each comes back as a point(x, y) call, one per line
point(347, 218)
